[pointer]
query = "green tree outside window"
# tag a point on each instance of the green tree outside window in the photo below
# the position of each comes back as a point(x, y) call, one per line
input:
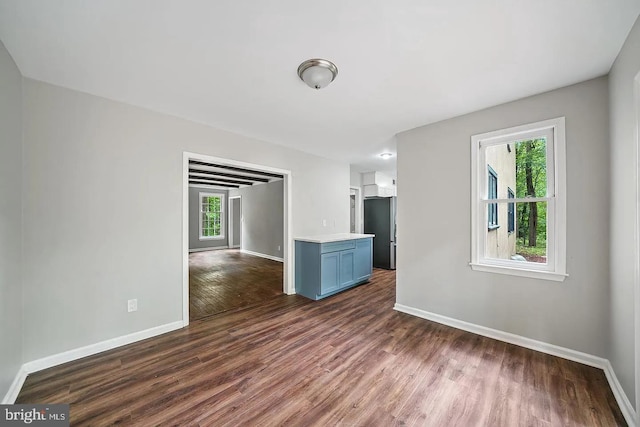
point(211, 216)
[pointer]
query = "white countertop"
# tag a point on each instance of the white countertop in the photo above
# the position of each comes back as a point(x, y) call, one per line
point(326, 238)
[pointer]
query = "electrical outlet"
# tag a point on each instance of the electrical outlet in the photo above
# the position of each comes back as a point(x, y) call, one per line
point(278, 248)
point(324, 222)
point(132, 305)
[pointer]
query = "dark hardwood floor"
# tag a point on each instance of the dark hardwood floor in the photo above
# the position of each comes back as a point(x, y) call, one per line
point(348, 360)
point(227, 279)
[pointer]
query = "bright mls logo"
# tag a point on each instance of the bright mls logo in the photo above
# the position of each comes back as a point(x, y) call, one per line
point(34, 415)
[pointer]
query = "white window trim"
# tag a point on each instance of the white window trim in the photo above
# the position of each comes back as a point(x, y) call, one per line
point(222, 214)
point(555, 269)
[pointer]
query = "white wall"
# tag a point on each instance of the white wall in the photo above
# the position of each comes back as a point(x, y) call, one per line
point(355, 178)
point(262, 218)
point(10, 220)
point(434, 225)
point(624, 255)
point(99, 166)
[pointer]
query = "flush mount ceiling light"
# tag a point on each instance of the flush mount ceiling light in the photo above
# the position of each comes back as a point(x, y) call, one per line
point(317, 73)
point(386, 155)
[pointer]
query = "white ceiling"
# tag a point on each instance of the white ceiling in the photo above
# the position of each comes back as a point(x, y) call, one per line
point(232, 64)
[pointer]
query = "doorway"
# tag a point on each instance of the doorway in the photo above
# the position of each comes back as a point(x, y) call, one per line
point(352, 202)
point(235, 222)
point(204, 174)
point(355, 203)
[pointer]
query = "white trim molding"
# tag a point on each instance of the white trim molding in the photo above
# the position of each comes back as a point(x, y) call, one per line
point(288, 284)
point(16, 386)
point(222, 213)
point(89, 350)
point(553, 131)
point(261, 255)
point(230, 221)
point(522, 272)
point(625, 405)
point(79, 353)
point(359, 208)
point(551, 349)
point(213, 248)
point(637, 247)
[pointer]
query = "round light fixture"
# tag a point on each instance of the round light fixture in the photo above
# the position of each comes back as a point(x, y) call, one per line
point(386, 155)
point(317, 73)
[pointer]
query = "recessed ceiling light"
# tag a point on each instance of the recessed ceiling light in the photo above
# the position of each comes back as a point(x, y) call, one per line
point(386, 155)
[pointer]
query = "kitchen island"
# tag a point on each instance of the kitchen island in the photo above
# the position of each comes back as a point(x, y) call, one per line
point(332, 263)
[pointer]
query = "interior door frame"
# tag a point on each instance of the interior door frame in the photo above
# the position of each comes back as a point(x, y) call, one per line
point(636, 84)
point(288, 285)
point(359, 210)
point(230, 221)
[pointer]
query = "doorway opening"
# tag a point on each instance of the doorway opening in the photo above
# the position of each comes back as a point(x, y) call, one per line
point(227, 236)
point(235, 222)
point(355, 203)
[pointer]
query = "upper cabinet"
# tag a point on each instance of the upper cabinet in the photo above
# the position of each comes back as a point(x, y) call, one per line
point(374, 190)
point(378, 184)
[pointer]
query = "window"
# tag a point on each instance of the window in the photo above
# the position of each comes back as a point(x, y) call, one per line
point(492, 194)
point(511, 211)
point(529, 199)
point(211, 216)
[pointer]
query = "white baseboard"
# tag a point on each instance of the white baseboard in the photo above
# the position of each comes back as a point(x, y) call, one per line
point(214, 248)
point(554, 350)
point(621, 397)
point(519, 340)
point(244, 251)
point(16, 386)
point(78, 353)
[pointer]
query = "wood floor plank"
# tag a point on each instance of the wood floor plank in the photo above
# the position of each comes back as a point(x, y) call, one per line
point(227, 279)
point(348, 360)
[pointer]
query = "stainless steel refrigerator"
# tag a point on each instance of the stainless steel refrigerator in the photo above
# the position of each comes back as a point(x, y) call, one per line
point(380, 219)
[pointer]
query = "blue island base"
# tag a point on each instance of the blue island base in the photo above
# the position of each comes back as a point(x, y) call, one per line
point(324, 269)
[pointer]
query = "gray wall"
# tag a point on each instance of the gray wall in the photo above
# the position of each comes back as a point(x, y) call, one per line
point(194, 220)
point(102, 245)
point(236, 213)
point(623, 210)
point(435, 234)
point(262, 213)
point(10, 220)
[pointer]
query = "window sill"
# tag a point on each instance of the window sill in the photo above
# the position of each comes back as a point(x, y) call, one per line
point(534, 274)
point(212, 238)
point(493, 227)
